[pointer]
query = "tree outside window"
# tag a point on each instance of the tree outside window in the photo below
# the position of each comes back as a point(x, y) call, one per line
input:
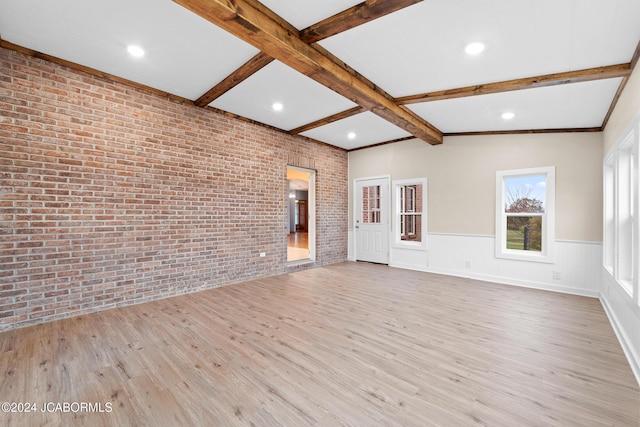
point(524, 209)
point(525, 214)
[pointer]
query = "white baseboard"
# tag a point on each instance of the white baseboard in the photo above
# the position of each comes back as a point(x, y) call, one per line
point(632, 357)
point(406, 266)
point(516, 282)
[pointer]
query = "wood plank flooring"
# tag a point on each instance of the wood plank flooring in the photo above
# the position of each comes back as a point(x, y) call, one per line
point(348, 344)
point(297, 246)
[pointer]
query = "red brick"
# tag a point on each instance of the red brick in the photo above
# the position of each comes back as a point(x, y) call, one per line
point(121, 196)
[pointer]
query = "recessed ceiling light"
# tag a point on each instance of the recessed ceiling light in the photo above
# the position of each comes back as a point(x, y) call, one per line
point(474, 48)
point(136, 51)
point(351, 135)
point(508, 115)
point(277, 106)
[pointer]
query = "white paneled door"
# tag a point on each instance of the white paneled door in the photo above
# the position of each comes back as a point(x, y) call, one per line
point(371, 221)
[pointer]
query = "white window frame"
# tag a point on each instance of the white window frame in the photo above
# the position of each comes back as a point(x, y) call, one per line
point(609, 213)
point(547, 255)
point(398, 228)
point(621, 231)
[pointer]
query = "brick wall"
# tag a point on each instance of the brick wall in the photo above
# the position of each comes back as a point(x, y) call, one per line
point(111, 195)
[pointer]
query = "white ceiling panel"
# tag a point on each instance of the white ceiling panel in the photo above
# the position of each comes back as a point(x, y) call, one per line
point(302, 14)
point(303, 99)
point(578, 105)
point(415, 50)
point(421, 48)
point(368, 128)
point(183, 51)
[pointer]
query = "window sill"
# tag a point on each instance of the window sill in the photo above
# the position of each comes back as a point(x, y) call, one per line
point(417, 246)
point(531, 256)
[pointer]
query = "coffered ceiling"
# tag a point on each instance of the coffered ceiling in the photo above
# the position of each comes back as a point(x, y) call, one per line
point(354, 74)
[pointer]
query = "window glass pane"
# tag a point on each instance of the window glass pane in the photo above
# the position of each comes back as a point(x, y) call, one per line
point(609, 218)
point(525, 193)
point(371, 205)
point(625, 221)
point(411, 227)
point(418, 198)
point(525, 214)
point(411, 198)
point(524, 233)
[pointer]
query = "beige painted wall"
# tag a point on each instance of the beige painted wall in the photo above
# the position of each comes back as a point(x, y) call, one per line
point(462, 174)
point(627, 108)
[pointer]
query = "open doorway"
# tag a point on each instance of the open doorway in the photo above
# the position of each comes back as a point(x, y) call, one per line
point(300, 214)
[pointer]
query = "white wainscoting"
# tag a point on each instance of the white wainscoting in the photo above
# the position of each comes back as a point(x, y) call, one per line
point(624, 317)
point(576, 269)
point(409, 258)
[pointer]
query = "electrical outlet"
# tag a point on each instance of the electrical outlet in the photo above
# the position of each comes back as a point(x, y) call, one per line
point(557, 275)
point(467, 263)
point(263, 254)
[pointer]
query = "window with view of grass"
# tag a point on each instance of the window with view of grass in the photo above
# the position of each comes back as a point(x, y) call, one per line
point(525, 214)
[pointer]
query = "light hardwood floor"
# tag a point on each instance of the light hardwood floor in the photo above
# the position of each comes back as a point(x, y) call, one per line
point(297, 246)
point(347, 344)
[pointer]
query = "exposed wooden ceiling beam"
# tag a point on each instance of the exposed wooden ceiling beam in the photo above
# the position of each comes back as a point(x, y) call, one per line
point(257, 5)
point(258, 29)
point(378, 144)
point(525, 131)
point(636, 57)
point(251, 67)
point(623, 84)
point(598, 73)
point(326, 120)
point(352, 17)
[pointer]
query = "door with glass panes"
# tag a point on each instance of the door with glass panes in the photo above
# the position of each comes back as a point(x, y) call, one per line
point(372, 220)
